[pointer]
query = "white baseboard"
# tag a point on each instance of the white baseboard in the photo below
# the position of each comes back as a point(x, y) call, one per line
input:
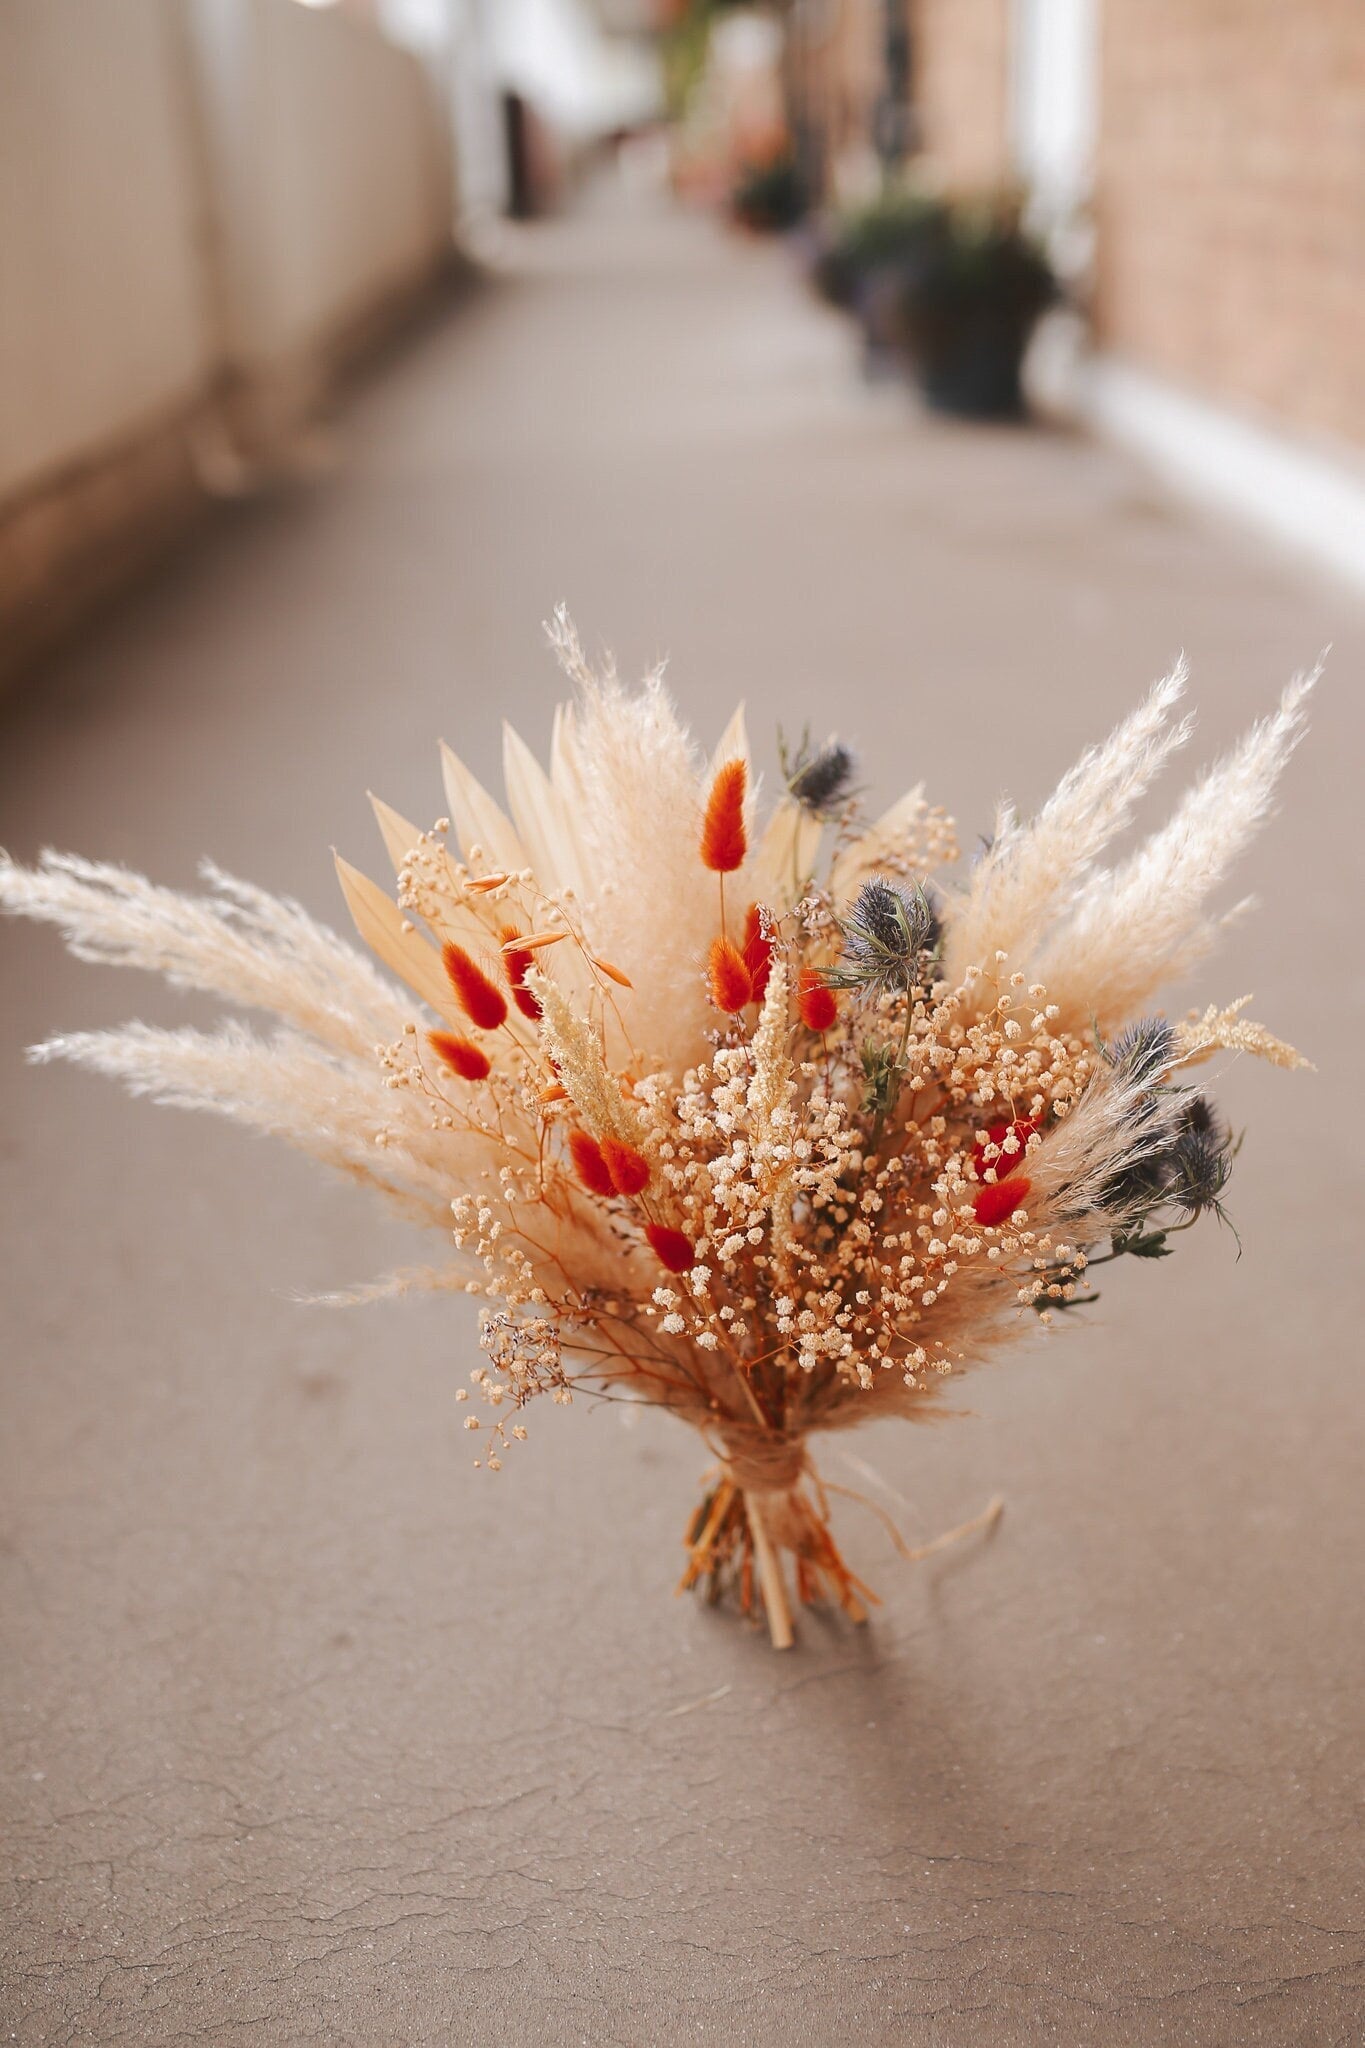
point(1288, 488)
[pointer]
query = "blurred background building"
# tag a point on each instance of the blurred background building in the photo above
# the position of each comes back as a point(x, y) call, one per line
point(209, 207)
point(1198, 167)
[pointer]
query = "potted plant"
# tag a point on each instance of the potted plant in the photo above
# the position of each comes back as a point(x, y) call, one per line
point(867, 257)
point(861, 251)
point(968, 307)
point(769, 197)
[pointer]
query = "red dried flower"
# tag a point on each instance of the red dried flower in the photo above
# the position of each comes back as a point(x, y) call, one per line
point(461, 1055)
point(1023, 1129)
point(481, 1000)
point(672, 1248)
point(730, 981)
point(514, 965)
point(628, 1168)
point(589, 1164)
point(724, 840)
point(1000, 1199)
point(815, 1000)
point(758, 952)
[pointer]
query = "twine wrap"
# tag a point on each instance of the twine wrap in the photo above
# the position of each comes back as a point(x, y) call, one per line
point(763, 1460)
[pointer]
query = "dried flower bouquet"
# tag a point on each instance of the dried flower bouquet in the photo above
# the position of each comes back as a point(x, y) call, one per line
point(775, 1128)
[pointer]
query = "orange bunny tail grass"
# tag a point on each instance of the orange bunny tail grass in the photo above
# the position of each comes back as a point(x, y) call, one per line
point(589, 1164)
point(482, 1001)
point(815, 1001)
point(672, 1248)
point(461, 1055)
point(724, 838)
point(729, 980)
point(629, 1169)
point(515, 962)
point(1000, 1199)
point(1004, 1146)
point(758, 951)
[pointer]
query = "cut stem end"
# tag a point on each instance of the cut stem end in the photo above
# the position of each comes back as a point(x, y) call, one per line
point(738, 1537)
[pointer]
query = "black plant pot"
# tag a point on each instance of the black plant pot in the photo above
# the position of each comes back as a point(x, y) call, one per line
point(770, 199)
point(876, 302)
point(825, 262)
point(973, 367)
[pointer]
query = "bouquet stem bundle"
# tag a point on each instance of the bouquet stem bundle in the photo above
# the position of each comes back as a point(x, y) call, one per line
point(776, 1127)
point(738, 1533)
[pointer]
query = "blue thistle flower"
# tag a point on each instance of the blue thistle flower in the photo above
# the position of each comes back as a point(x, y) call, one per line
point(1144, 1050)
point(1188, 1167)
point(822, 783)
point(887, 935)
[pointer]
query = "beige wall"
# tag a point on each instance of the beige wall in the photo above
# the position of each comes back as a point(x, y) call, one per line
point(1231, 201)
point(190, 187)
point(961, 86)
point(204, 204)
point(329, 171)
point(103, 323)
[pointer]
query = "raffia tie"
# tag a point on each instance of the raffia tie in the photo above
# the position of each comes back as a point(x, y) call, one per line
point(762, 1461)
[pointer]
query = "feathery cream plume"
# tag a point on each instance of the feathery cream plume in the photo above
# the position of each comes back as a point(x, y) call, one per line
point(1031, 869)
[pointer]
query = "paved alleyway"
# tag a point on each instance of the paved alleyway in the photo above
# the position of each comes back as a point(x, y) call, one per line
point(313, 1734)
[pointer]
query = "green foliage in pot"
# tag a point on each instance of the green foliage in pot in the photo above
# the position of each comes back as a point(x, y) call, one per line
point(866, 242)
point(770, 197)
point(968, 307)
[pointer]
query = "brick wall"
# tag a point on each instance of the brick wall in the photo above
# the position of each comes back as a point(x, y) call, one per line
point(1231, 201)
point(960, 59)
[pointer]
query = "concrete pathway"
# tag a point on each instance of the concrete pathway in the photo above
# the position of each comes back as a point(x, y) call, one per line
point(313, 1734)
